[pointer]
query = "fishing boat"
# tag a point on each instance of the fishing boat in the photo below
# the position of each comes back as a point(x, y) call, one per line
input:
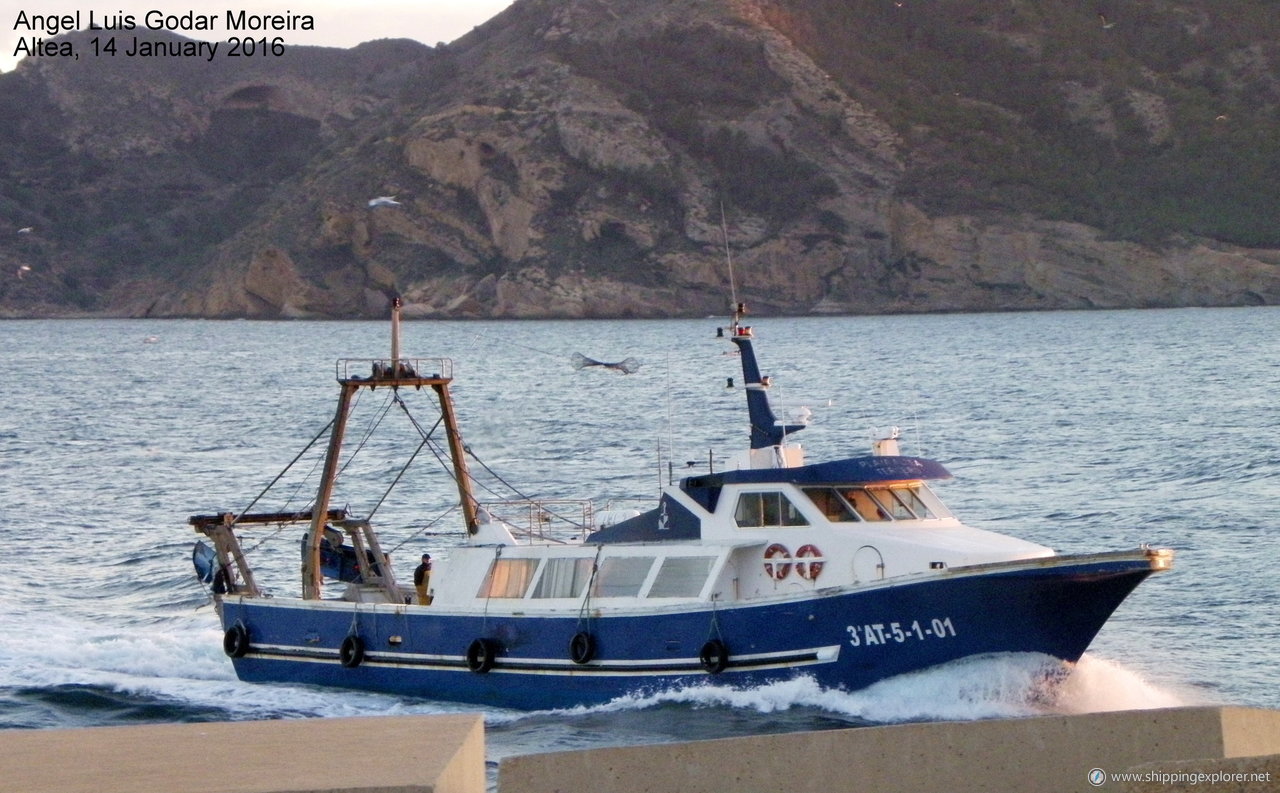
point(847, 571)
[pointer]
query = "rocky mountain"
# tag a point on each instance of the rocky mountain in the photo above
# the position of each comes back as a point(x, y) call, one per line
point(576, 158)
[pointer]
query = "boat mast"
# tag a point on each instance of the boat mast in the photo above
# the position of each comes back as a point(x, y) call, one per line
point(311, 573)
point(394, 373)
point(766, 432)
point(458, 451)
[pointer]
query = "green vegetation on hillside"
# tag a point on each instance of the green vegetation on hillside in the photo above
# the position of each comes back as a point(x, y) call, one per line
point(691, 83)
point(981, 92)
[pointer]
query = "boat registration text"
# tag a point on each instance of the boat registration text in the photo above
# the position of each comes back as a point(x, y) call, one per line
point(876, 633)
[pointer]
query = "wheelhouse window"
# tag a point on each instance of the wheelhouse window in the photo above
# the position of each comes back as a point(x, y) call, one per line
point(621, 576)
point(759, 510)
point(564, 578)
point(865, 504)
point(912, 501)
point(835, 508)
point(508, 578)
point(681, 576)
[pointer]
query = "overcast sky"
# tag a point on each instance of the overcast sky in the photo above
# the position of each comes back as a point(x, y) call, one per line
point(338, 23)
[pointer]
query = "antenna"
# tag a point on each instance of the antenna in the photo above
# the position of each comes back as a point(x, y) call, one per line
point(396, 302)
point(728, 257)
point(671, 435)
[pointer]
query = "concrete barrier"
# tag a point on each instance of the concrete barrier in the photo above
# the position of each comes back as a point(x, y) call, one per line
point(393, 754)
point(1046, 755)
point(1180, 749)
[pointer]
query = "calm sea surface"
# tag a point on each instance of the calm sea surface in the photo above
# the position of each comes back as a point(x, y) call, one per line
point(1083, 431)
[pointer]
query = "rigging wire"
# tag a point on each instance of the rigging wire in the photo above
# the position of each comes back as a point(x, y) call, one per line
point(257, 498)
point(728, 257)
point(441, 457)
point(319, 462)
point(396, 481)
point(272, 483)
point(422, 532)
point(516, 490)
point(373, 427)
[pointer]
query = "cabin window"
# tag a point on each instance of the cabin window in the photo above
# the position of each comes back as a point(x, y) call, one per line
point(835, 508)
point(508, 578)
point(865, 504)
point(564, 578)
point(681, 576)
point(890, 503)
point(928, 501)
point(912, 501)
point(621, 576)
point(756, 510)
point(895, 502)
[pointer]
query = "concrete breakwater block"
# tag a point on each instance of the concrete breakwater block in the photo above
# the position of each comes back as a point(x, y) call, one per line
point(389, 754)
point(1044, 754)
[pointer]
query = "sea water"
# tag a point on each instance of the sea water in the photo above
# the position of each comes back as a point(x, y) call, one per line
point(1084, 431)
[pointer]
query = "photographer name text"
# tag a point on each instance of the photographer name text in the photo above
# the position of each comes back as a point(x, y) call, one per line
point(247, 35)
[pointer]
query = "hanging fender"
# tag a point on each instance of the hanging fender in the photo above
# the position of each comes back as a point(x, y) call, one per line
point(714, 656)
point(582, 647)
point(235, 642)
point(780, 569)
point(481, 654)
point(351, 653)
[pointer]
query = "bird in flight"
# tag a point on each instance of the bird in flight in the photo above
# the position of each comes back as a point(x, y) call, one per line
point(384, 201)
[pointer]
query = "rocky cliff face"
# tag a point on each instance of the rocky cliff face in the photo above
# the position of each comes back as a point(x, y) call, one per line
point(579, 159)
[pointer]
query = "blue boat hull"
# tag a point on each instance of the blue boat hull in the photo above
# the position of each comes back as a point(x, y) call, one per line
point(842, 638)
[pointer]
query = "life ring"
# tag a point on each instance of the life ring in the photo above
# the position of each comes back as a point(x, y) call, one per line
point(351, 653)
point(782, 568)
point(235, 642)
point(714, 656)
point(481, 655)
point(809, 570)
point(582, 647)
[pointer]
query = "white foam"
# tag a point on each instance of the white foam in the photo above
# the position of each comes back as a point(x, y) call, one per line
point(1099, 685)
point(1005, 685)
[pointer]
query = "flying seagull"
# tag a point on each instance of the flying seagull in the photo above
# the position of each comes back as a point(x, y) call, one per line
point(1105, 24)
point(626, 366)
point(26, 229)
point(384, 201)
point(23, 270)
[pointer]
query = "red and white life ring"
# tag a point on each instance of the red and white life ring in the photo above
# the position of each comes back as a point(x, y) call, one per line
point(809, 562)
point(782, 567)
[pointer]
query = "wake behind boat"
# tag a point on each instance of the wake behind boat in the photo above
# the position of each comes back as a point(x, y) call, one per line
point(847, 571)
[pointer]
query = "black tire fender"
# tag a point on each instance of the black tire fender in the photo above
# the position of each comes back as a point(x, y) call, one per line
point(714, 656)
point(351, 653)
point(481, 654)
point(235, 642)
point(582, 647)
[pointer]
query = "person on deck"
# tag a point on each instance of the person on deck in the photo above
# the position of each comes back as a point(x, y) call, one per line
point(421, 578)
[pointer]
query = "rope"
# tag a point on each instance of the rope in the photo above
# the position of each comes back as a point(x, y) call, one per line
point(396, 481)
point(423, 531)
point(715, 621)
point(586, 601)
point(442, 460)
point(514, 489)
point(270, 485)
point(386, 408)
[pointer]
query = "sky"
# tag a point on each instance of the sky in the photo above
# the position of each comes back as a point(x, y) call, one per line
point(338, 23)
